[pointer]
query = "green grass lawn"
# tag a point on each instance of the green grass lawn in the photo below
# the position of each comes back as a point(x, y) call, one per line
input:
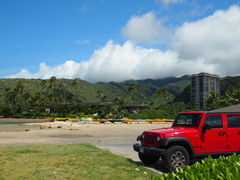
point(73, 161)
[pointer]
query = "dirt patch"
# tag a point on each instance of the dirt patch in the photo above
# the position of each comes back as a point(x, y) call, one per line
point(117, 138)
point(70, 136)
point(18, 127)
point(16, 120)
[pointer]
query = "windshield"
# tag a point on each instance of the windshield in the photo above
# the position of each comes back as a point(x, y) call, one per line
point(187, 120)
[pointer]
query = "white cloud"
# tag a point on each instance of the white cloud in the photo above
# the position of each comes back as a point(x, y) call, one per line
point(167, 2)
point(207, 45)
point(85, 41)
point(146, 28)
point(85, 8)
point(67, 70)
point(214, 39)
point(114, 62)
point(22, 74)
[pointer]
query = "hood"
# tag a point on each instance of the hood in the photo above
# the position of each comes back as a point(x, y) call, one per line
point(174, 131)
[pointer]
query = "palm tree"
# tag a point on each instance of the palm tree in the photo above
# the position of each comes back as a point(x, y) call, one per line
point(104, 98)
point(121, 101)
point(11, 96)
point(99, 94)
point(20, 87)
point(236, 95)
point(163, 94)
point(75, 81)
point(51, 87)
point(132, 88)
point(53, 80)
point(27, 101)
point(212, 101)
point(14, 96)
point(144, 99)
point(63, 86)
point(71, 98)
point(194, 104)
point(43, 84)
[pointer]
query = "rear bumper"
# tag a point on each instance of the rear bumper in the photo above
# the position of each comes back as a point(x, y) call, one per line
point(149, 150)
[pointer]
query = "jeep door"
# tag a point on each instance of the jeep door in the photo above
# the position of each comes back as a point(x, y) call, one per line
point(233, 132)
point(214, 140)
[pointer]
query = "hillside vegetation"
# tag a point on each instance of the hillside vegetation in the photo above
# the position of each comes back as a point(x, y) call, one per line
point(226, 84)
point(84, 91)
point(69, 97)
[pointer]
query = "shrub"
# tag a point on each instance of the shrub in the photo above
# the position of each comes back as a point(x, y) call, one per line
point(221, 168)
point(56, 115)
point(71, 115)
point(27, 114)
point(147, 114)
point(44, 115)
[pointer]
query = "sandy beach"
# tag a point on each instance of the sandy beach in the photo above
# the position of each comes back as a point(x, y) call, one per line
point(117, 138)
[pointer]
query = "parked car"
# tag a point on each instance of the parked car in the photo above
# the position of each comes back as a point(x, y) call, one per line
point(192, 135)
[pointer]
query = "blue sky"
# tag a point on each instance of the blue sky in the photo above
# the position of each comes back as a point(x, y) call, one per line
point(117, 40)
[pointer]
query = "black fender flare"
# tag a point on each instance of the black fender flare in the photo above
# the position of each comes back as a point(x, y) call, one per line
point(164, 142)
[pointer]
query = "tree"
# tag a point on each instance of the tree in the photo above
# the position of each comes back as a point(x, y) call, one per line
point(63, 86)
point(39, 102)
point(14, 97)
point(75, 82)
point(43, 84)
point(144, 99)
point(104, 98)
point(132, 88)
point(163, 94)
point(212, 101)
point(236, 95)
point(53, 81)
point(194, 104)
point(20, 87)
point(99, 94)
point(121, 101)
point(27, 99)
point(11, 96)
point(70, 98)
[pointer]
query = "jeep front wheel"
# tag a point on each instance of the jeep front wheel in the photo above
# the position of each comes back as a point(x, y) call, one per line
point(148, 159)
point(176, 157)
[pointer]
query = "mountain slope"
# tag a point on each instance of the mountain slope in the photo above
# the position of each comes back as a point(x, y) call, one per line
point(84, 91)
point(225, 83)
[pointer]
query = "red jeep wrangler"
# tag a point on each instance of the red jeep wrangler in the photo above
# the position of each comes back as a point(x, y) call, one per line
point(192, 135)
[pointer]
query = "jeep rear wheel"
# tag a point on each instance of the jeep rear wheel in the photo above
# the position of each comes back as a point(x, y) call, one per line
point(176, 157)
point(148, 159)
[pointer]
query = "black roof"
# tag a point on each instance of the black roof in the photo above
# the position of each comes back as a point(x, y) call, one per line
point(212, 112)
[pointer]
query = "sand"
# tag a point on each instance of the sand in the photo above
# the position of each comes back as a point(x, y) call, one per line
point(117, 138)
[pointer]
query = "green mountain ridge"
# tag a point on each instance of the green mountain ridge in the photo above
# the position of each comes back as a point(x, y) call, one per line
point(86, 92)
point(225, 83)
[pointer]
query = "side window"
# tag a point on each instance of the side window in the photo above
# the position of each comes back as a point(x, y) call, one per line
point(233, 121)
point(214, 120)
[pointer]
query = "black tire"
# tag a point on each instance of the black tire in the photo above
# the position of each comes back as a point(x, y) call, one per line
point(176, 157)
point(148, 159)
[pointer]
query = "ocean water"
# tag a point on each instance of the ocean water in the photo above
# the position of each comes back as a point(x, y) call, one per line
point(6, 123)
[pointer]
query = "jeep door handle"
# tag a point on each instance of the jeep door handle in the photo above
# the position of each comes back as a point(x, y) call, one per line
point(238, 132)
point(222, 133)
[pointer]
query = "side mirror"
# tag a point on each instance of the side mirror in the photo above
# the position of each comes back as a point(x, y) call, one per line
point(206, 126)
point(139, 138)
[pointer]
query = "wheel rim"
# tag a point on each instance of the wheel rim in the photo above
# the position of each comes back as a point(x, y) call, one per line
point(178, 159)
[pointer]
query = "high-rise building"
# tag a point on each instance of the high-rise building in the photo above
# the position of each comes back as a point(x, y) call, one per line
point(201, 85)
